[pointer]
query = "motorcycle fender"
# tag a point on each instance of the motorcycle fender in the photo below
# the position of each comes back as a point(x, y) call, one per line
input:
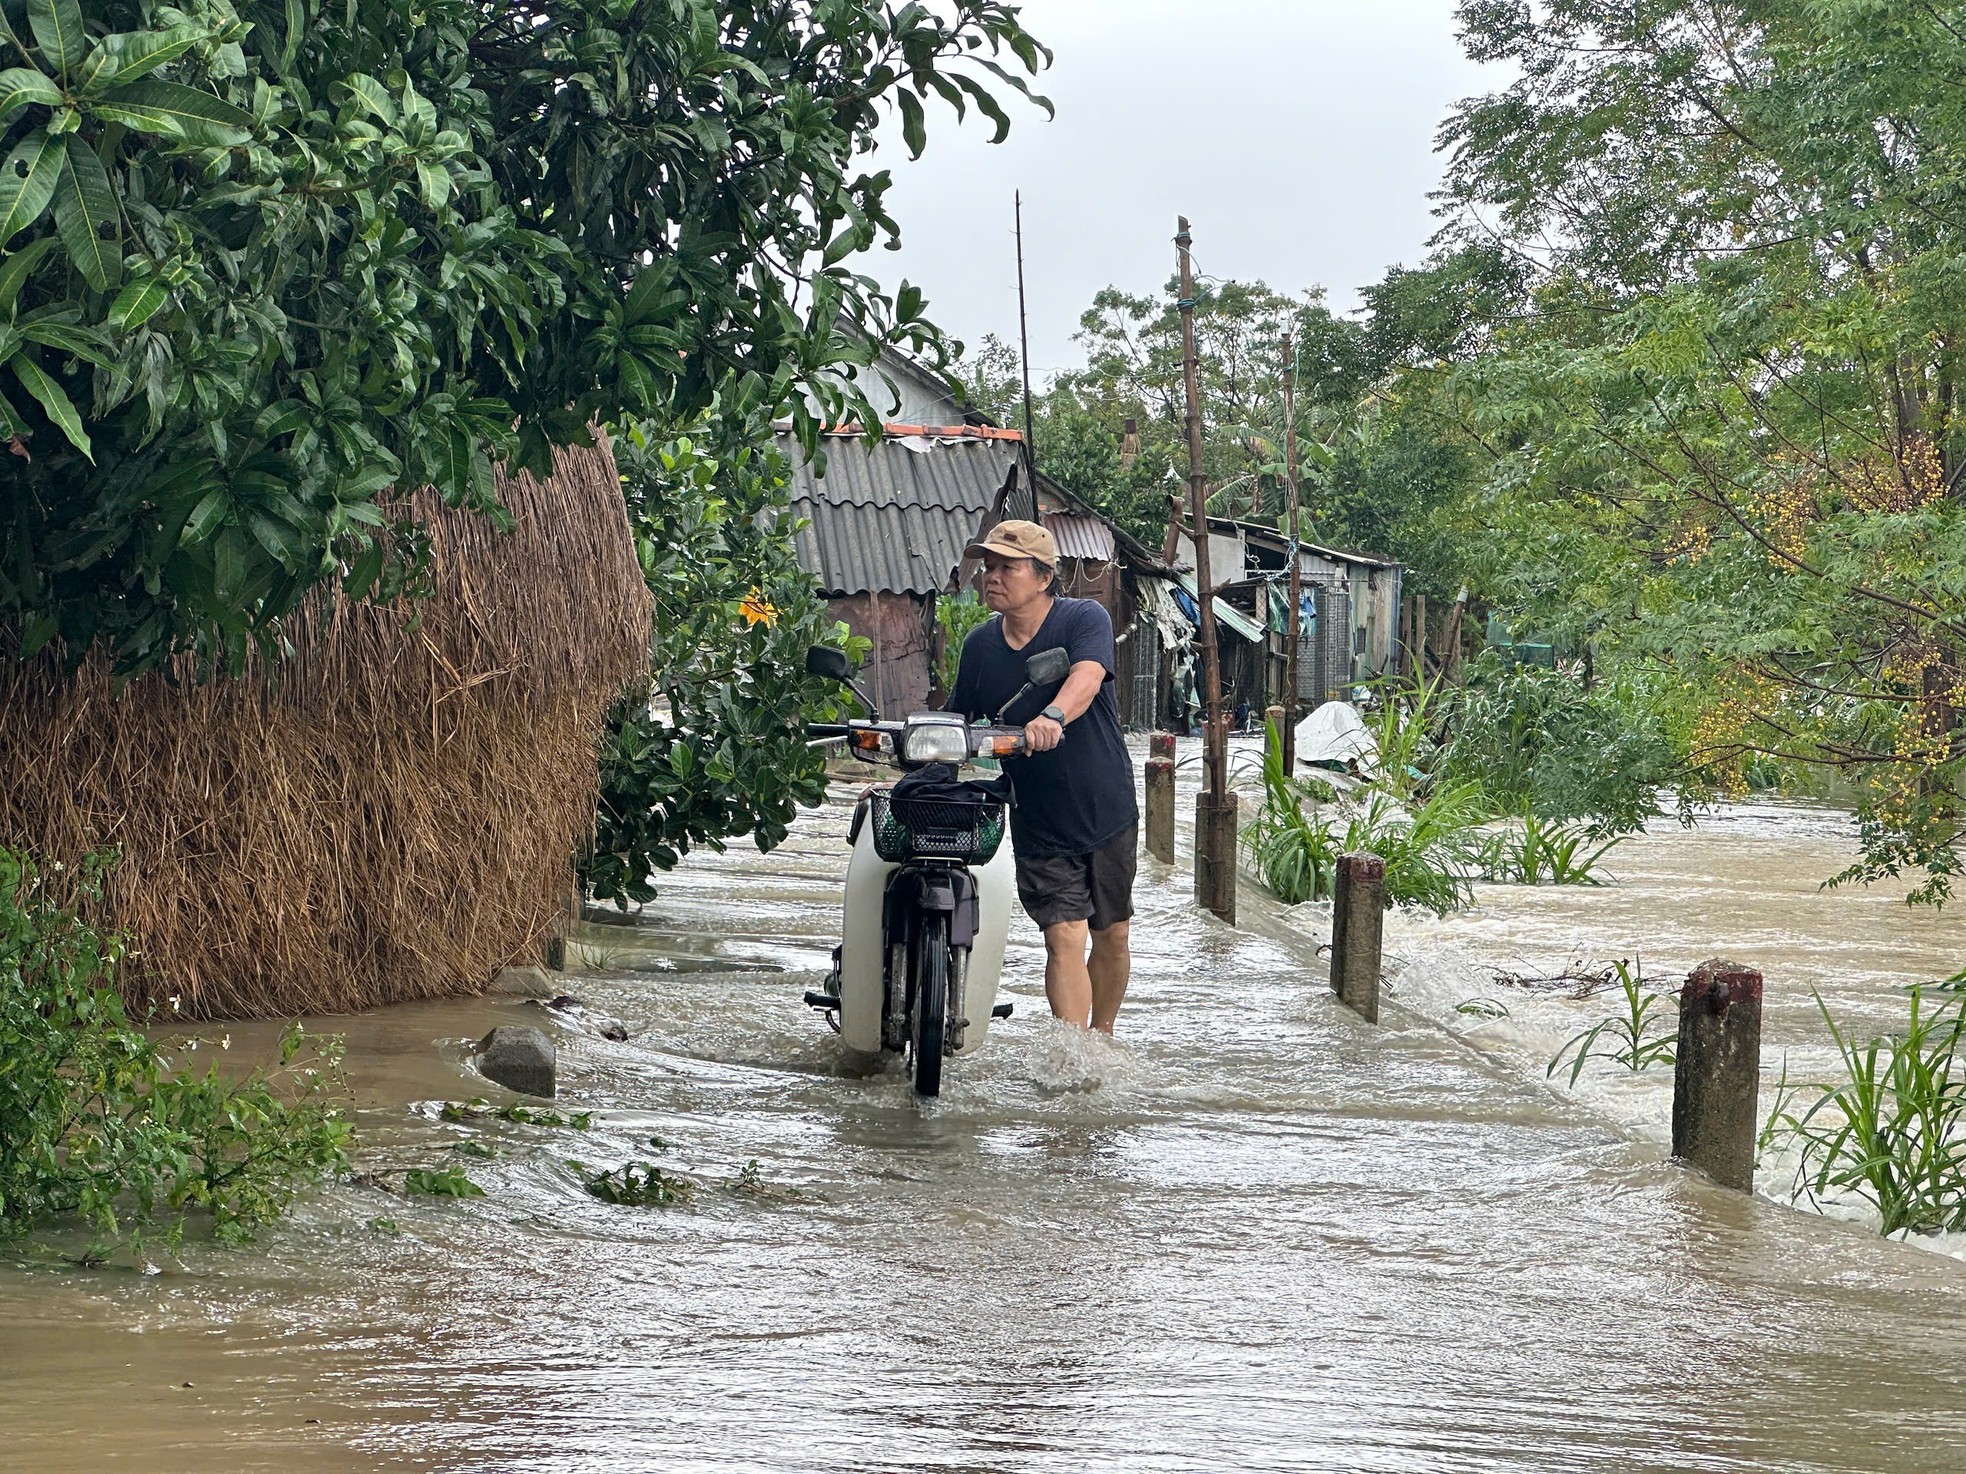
point(862, 950)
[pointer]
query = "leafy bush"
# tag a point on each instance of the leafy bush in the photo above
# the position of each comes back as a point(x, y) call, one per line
point(714, 744)
point(1538, 743)
point(1542, 852)
point(94, 1124)
point(956, 617)
point(1893, 1131)
point(1427, 847)
point(268, 261)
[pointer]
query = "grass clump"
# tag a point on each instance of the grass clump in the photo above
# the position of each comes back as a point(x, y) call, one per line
point(1427, 845)
point(1544, 852)
point(1624, 1039)
point(1892, 1132)
point(97, 1126)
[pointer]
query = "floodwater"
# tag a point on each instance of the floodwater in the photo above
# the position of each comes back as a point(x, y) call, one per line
point(1256, 1234)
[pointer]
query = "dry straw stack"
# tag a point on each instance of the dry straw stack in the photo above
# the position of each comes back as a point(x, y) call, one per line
point(387, 815)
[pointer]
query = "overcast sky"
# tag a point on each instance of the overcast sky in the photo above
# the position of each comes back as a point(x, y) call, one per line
point(1296, 135)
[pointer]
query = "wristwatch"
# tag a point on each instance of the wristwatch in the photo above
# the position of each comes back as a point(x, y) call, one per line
point(1055, 713)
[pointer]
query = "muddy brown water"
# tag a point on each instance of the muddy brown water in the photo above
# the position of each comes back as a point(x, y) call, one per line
point(1255, 1235)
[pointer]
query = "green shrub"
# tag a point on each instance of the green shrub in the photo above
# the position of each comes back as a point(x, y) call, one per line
point(95, 1124)
point(1428, 845)
point(1544, 852)
point(1539, 743)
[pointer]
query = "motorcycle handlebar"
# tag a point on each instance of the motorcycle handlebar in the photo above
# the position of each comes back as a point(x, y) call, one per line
point(984, 741)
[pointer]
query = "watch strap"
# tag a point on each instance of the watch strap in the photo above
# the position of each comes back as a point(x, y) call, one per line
point(1055, 713)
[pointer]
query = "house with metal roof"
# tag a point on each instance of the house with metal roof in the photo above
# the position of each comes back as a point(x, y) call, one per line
point(886, 523)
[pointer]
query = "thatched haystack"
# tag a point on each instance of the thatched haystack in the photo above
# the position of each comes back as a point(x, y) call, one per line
point(387, 815)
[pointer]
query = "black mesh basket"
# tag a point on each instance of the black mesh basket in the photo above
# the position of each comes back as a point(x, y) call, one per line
point(935, 829)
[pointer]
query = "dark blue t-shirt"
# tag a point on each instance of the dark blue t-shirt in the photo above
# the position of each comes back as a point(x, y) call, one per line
point(1077, 797)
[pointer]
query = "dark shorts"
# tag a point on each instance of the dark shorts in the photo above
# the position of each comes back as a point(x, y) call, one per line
point(1095, 887)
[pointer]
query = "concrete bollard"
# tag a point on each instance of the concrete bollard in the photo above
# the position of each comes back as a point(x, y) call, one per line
point(1358, 926)
point(1160, 797)
point(1275, 716)
point(1216, 840)
point(1717, 1076)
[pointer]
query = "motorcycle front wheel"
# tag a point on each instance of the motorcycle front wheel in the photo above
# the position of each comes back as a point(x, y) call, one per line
point(931, 1010)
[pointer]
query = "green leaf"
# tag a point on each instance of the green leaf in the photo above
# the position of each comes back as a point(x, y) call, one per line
point(27, 182)
point(133, 54)
point(15, 270)
point(54, 399)
point(435, 183)
point(69, 338)
point(138, 302)
point(86, 218)
point(371, 96)
point(914, 129)
point(57, 27)
point(182, 112)
point(20, 86)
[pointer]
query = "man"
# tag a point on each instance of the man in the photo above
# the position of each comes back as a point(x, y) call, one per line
point(1075, 827)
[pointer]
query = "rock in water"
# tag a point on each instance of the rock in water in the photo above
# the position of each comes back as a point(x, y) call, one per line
point(520, 1058)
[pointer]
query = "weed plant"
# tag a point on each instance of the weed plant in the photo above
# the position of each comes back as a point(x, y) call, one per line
point(1892, 1133)
point(1544, 852)
point(1427, 848)
point(96, 1123)
point(1624, 1039)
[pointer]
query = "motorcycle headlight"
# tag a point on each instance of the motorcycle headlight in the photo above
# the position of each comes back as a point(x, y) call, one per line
point(935, 742)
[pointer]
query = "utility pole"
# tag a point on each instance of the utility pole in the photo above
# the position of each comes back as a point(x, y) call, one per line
point(1024, 362)
point(1215, 805)
point(1293, 632)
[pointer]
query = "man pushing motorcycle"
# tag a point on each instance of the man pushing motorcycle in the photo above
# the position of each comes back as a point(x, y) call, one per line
point(1075, 827)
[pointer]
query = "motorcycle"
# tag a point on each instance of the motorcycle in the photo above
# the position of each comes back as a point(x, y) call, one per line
point(929, 881)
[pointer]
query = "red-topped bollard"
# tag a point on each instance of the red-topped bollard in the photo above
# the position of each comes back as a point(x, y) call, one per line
point(1717, 1075)
point(1160, 797)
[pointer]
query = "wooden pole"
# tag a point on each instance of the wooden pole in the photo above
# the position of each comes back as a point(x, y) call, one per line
point(1024, 361)
point(1215, 827)
point(1294, 633)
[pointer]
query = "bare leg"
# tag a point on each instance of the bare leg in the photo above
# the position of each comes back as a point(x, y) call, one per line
point(1067, 986)
point(1108, 972)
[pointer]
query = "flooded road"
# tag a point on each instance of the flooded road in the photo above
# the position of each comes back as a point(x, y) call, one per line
point(1255, 1235)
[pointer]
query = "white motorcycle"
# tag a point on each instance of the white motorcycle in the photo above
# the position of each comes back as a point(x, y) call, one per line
point(929, 883)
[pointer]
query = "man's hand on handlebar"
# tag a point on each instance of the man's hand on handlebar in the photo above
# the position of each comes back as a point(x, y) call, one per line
point(1041, 734)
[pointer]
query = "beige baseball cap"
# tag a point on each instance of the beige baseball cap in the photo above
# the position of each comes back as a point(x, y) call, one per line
point(1014, 539)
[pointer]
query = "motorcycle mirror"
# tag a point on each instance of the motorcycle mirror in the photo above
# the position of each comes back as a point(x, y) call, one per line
point(823, 660)
point(1048, 666)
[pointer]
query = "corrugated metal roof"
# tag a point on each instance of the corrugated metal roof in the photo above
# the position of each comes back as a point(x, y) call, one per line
point(893, 517)
point(1080, 536)
point(1235, 619)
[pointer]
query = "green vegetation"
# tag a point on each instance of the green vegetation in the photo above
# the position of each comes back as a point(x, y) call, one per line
point(441, 1182)
point(1426, 847)
point(268, 261)
point(1625, 1039)
point(102, 1126)
point(638, 1185)
point(1892, 1132)
point(956, 618)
